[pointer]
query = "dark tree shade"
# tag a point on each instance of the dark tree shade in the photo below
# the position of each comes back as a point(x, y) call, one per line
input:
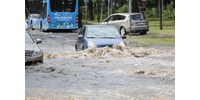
point(90, 10)
point(135, 7)
point(98, 10)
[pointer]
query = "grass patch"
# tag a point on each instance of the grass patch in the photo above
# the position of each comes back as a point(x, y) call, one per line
point(152, 40)
point(168, 27)
point(166, 30)
point(155, 36)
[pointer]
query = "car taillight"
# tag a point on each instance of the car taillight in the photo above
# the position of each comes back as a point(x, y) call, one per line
point(76, 19)
point(48, 19)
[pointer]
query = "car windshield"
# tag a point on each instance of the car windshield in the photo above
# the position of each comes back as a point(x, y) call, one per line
point(137, 17)
point(28, 38)
point(102, 32)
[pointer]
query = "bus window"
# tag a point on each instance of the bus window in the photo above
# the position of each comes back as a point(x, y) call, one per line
point(70, 5)
point(63, 5)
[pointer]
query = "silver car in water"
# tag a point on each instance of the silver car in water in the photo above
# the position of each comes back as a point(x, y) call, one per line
point(98, 36)
point(139, 23)
point(32, 52)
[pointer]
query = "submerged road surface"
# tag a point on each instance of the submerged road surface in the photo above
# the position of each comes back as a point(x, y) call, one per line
point(142, 73)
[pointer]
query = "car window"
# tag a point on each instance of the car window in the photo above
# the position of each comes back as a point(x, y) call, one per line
point(122, 17)
point(111, 18)
point(28, 38)
point(137, 17)
point(114, 18)
point(119, 17)
point(102, 32)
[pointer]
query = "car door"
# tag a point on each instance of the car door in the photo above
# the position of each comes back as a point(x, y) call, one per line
point(118, 20)
point(115, 20)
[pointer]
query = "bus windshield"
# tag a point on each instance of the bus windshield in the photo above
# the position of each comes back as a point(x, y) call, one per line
point(63, 5)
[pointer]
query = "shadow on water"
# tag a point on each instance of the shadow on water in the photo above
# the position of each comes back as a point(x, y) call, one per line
point(32, 63)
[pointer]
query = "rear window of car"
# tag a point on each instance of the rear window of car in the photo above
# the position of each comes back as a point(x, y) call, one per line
point(138, 17)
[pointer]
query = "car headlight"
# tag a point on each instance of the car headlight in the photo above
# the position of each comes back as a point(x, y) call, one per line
point(91, 44)
point(37, 52)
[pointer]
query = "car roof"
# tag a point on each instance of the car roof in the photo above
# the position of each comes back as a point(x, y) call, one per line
point(125, 13)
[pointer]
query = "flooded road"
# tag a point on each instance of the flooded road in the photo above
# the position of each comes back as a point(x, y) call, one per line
point(134, 73)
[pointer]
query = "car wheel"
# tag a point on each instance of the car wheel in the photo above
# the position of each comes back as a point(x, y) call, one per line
point(122, 31)
point(40, 26)
point(142, 33)
point(31, 26)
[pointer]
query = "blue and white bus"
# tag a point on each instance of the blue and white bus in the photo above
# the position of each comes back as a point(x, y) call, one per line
point(59, 15)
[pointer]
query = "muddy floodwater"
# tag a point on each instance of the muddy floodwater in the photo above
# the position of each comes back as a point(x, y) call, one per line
point(133, 73)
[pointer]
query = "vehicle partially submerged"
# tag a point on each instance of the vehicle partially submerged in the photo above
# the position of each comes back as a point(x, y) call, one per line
point(96, 36)
point(32, 51)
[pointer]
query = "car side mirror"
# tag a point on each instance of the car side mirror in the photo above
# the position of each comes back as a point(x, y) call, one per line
point(124, 37)
point(38, 41)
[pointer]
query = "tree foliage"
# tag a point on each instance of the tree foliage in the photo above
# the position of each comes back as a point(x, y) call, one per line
point(169, 11)
point(94, 8)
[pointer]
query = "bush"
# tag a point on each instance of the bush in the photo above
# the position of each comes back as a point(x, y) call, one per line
point(169, 11)
point(123, 9)
point(151, 13)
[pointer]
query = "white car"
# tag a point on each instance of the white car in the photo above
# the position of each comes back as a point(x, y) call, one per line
point(32, 51)
point(139, 23)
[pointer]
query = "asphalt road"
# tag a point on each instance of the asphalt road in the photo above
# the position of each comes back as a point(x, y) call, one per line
point(138, 73)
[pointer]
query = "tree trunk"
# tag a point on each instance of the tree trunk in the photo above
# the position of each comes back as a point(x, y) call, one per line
point(106, 7)
point(79, 16)
point(135, 7)
point(122, 2)
point(115, 4)
point(98, 11)
point(90, 10)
